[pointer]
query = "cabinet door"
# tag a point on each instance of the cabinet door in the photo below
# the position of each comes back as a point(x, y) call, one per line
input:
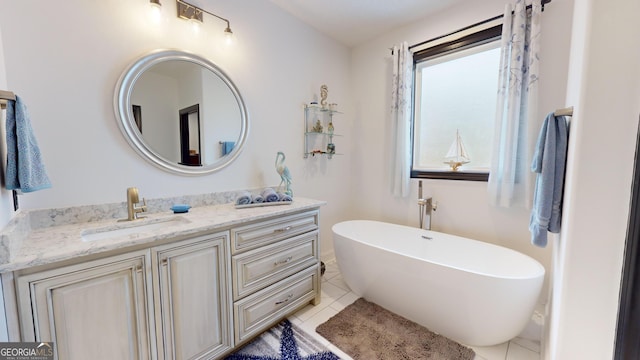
point(194, 298)
point(96, 310)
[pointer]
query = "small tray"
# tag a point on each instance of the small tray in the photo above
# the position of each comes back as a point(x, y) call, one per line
point(273, 203)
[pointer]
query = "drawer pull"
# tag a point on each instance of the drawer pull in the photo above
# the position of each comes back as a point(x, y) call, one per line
point(285, 300)
point(281, 262)
point(284, 229)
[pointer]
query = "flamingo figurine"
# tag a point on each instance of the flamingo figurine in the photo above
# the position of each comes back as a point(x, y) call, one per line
point(285, 175)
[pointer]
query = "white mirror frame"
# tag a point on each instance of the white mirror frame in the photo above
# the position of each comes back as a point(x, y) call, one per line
point(127, 124)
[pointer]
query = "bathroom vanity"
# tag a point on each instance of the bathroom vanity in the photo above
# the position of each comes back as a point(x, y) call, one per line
point(170, 286)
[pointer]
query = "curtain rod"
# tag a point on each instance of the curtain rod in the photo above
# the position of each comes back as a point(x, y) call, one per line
point(468, 27)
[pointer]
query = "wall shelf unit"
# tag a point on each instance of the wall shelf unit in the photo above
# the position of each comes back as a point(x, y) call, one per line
point(319, 131)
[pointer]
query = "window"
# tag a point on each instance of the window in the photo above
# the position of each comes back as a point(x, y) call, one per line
point(455, 92)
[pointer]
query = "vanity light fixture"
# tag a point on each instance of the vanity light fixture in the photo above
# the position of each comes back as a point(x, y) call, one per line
point(195, 14)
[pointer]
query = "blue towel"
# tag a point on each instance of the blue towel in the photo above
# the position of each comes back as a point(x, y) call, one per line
point(548, 162)
point(25, 170)
point(270, 195)
point(257, 199)
point(284, 197)
point(244, 198)
point(227, 146)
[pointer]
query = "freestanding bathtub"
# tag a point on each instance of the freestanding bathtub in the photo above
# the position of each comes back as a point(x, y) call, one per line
point(473, 292)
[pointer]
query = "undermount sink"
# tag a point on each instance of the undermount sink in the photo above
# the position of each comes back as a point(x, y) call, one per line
point(129, 228)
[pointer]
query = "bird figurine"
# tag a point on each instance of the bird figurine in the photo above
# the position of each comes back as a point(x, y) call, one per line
point(285, 175)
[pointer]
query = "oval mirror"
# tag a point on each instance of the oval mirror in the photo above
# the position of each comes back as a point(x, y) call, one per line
point(181, 112)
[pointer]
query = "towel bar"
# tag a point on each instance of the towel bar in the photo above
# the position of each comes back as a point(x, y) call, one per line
point(564, 112)
point(6, 95)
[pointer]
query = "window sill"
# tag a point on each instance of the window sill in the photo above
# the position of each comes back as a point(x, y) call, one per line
point(450, 175)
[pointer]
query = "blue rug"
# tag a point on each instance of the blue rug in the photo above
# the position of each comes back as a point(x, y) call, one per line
point(283, 342)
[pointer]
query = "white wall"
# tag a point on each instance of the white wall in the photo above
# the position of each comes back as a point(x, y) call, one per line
point(157, 95)
point(6, 202)
point(463, 207)
point(605, 87)
point(64, 59)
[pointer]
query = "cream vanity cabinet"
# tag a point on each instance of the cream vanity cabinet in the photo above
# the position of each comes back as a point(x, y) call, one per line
point(194, 298)
point(276, 270)
point(104, 309)
point(94, 310)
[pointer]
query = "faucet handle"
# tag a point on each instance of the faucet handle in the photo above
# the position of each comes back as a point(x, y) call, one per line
point(143, 208)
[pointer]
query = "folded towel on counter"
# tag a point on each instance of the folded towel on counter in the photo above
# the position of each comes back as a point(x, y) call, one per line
point(244, 198)
point(284, 197)
point(25, 170)
point(270, 195)
point(257, 199)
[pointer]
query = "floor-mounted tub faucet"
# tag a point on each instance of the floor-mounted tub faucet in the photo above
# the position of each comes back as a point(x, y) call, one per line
point(426, 209)
point(132, 200)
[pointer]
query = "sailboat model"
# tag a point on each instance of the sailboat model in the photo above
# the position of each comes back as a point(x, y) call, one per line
point(457, 155)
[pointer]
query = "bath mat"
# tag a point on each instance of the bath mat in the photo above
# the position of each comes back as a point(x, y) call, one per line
point(364, 330)
point(283, 341)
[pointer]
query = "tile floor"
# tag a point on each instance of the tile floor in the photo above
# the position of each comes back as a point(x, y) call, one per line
point(336, 296)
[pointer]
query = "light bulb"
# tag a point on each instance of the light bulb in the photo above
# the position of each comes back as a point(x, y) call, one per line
point(228, 34)
point(155, 9)
point(195, 25)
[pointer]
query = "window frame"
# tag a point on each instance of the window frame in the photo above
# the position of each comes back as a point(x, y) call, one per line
point(473, 39)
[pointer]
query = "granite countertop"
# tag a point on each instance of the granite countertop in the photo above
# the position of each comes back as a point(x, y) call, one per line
point(27, 246)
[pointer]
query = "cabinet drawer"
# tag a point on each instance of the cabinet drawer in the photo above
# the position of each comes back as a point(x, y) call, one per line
point(257, 312)
point(259, 268)
point(267, 232)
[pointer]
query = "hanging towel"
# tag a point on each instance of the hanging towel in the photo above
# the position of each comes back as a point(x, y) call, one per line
point(549, 161)
point(25, 170)
point(227, 146)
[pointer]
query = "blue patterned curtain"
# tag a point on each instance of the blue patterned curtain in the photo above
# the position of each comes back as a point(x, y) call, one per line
point(510, 181)
point(401, 84)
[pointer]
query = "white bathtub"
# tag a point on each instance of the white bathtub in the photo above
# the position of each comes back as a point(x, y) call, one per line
point(470, 291)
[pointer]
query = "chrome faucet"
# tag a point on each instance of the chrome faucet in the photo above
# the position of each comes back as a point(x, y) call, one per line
point(426, 208)
point(132, 200)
